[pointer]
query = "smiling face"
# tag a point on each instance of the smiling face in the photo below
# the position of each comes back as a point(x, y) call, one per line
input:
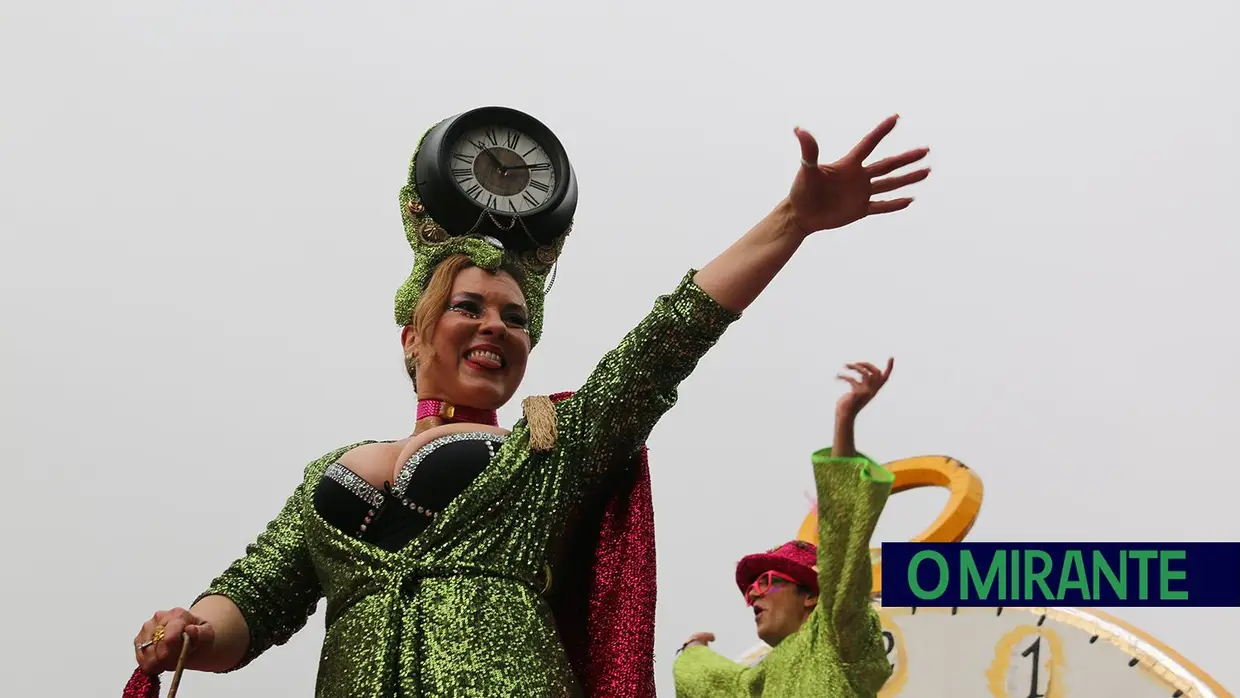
point(476, 352)
point(780, 608)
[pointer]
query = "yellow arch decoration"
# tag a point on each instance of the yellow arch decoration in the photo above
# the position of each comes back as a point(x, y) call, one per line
point(952, 525)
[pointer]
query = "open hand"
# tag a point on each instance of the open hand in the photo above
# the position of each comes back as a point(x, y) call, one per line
point(863, 389)
point(832, 196)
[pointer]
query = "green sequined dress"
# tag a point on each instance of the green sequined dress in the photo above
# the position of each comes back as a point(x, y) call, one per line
point(459, 611)
point(839, 651)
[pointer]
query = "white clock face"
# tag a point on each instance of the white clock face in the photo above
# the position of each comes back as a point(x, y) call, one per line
point(504, 170)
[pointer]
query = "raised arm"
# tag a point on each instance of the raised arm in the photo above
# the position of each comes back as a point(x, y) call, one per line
point(635, 384)
point(852, 491)
point(823, 197)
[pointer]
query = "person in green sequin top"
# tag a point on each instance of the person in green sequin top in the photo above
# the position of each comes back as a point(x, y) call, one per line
point(812, 606)
point(458, 609)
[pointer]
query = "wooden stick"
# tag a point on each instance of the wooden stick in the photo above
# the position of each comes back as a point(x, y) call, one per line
point(176, 676)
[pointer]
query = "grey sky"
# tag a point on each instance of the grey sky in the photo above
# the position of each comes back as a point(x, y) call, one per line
point(201, 244)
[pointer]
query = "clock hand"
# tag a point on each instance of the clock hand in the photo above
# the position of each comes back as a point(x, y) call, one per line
point(536, 166)
point(491, 155)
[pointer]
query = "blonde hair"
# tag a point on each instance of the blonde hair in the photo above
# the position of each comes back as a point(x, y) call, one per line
point(431, 306)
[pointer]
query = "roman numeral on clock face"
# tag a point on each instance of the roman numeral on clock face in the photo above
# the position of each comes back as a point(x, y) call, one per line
point(502, 169)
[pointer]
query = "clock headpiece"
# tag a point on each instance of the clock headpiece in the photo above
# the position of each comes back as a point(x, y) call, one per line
point(471, 191)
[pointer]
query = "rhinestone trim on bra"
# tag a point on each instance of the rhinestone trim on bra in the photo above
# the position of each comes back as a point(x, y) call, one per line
point(375, 497)
point(355, 483)
point(406, 473)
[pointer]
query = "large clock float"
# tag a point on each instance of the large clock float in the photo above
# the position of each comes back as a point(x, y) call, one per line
point(1001, 652)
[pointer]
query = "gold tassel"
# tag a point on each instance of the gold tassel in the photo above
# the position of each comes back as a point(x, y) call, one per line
point(540, 415)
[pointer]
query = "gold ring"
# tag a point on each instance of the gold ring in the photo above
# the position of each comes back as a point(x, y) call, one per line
point(159, 633)
point(953, 523)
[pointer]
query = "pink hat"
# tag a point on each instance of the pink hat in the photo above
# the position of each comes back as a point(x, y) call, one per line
point(796, 559)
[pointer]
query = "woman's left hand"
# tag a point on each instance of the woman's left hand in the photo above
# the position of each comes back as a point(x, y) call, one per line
point(832, 196)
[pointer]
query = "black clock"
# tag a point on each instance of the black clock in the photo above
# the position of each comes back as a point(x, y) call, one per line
point(497, 172)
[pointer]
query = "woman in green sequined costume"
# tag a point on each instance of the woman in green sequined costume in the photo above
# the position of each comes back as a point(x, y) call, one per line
point(826, 641)
point(459, 609)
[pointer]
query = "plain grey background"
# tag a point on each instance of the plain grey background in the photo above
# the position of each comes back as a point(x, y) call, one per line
point(202, 242)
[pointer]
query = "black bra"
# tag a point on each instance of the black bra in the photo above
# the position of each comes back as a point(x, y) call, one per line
point(427, 483)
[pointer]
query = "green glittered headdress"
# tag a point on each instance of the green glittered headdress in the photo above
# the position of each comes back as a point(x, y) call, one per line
point(432, 243)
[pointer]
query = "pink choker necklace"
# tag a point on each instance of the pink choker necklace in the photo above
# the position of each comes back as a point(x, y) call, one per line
point(451, 413)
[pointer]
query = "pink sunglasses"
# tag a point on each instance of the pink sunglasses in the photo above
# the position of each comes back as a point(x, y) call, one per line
point(763, 584)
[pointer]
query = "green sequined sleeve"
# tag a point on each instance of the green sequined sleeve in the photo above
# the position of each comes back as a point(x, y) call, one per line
point(851, 496)
point(275, 585)
point(609, 418)
point(700, 672)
